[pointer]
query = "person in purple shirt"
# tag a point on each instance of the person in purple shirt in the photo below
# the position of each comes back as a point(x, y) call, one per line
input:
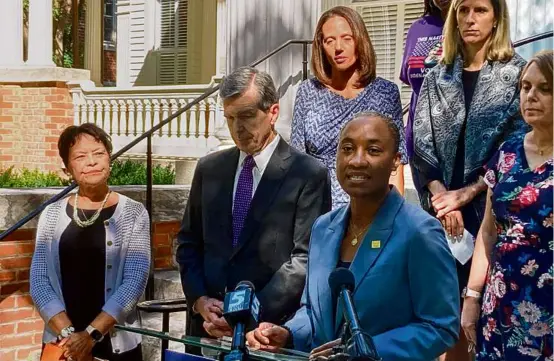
point(422, 52)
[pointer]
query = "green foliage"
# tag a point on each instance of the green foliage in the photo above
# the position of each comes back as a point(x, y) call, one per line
point(26, 178)
point(133, 172)
point(123, 173)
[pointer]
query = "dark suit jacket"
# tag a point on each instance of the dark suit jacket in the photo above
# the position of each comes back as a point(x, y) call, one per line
point(273, 246)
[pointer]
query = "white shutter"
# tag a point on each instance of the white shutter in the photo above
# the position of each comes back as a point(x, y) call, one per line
point(172, 61)
point(381, 23)
point(387, 23)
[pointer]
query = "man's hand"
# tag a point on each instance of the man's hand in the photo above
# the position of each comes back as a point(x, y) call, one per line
point(268, 337)
point(324, 351)
point(78, 346)
point(211, 310)
point(449, 201)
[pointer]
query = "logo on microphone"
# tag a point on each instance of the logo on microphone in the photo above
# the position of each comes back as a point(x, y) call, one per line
point(242, 306)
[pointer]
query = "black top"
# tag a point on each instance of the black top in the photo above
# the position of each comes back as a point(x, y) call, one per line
point(343, 264)
point(83, 266)
point(469, 81)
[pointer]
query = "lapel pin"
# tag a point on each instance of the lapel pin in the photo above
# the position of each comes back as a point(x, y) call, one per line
point(376, 244)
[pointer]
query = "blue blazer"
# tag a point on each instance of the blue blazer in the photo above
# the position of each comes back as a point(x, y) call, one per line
point(406, 290)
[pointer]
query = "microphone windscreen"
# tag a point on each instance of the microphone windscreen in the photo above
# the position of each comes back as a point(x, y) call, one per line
point(341, 277)
point(245, 284)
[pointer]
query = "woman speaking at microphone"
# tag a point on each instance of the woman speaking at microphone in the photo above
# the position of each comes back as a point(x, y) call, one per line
point(406, 291)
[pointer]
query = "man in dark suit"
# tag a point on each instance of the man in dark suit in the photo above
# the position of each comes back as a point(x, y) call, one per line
point(250, 212)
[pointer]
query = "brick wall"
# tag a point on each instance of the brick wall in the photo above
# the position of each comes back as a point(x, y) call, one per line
point(32, 116)
point(20, 324)
point(110, 66)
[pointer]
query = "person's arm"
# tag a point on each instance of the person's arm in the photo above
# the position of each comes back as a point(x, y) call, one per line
point(190, 240)
point(298, 136)
point(433, 286)
point(49, 305)
point(484, 243)
point(406, 56)
point(284, 289)
point(301, 326)
point(136, 268)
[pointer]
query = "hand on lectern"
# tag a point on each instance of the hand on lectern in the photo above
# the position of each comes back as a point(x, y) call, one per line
point(268, 337)
point(324, 350)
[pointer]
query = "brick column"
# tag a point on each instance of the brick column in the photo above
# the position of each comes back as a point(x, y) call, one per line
point(20, 324)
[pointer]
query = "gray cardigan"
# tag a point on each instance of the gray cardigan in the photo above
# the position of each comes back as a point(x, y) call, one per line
point(127, 251)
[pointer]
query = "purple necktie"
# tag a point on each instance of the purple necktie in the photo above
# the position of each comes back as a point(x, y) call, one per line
point(243, 197)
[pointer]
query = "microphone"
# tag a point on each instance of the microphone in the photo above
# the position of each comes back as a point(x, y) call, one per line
point(360, 346)
point(241, 310)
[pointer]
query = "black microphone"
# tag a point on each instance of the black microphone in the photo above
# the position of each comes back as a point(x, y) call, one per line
point(241, 310)
point(360, 346)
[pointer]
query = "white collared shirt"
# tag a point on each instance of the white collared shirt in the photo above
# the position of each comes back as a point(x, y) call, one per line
point(261, 159)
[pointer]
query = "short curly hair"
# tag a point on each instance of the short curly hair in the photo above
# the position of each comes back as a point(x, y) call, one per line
point(71, 134)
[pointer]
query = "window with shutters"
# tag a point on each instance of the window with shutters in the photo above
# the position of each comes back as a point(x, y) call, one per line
point(387, 23)
point(172, 58)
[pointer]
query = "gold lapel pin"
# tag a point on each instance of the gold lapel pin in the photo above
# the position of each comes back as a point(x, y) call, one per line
point(376, 244)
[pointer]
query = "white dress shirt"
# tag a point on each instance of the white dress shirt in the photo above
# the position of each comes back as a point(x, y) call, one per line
point(261, 159)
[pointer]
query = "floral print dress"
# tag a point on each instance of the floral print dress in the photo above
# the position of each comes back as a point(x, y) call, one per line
point(516, 318)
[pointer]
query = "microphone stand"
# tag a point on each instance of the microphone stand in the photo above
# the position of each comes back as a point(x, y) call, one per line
point(239, 351)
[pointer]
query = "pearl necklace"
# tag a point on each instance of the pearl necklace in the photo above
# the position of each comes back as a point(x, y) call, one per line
point(91, 220)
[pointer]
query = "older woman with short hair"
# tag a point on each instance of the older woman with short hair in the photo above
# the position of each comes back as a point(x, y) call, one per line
point(344, 64)
point(92, 256)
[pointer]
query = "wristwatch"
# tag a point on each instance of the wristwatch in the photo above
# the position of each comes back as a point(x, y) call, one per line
point(66, 332)
point(95, 334)
point(468, 292)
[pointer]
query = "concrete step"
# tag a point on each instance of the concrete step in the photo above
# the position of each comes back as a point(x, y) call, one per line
point(167, 285)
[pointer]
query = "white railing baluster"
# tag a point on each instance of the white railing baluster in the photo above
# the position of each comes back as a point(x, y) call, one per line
point(123, 115)
point(139, 116)
point(192, 120)
point(131, 119)
point(148, 114)
point(211, 116)
point(165, 114)
point(107, 116)
point(174, 124)
point(182, 119)
point(202, 118)
point(156, 115)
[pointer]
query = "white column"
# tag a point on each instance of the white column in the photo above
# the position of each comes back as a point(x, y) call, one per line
point(123, 23)
point(221, 38)
point(11, 33)
point(40, 33)
point(93, 40)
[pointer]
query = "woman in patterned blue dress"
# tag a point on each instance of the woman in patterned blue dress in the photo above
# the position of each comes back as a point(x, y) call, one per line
point(345, 83)
point(515, 240)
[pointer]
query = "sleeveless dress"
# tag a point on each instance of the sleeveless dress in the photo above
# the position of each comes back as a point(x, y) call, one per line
point(516, 318)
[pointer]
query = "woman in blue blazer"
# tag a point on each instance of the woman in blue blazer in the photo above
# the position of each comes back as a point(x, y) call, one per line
point(406, 291)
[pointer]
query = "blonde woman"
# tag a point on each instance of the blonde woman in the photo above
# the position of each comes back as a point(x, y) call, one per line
point(468, 105)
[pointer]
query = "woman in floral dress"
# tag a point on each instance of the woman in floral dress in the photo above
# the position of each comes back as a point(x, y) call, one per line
point(515, 240)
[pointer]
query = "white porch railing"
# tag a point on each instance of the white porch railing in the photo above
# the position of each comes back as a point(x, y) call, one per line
point(125, 113)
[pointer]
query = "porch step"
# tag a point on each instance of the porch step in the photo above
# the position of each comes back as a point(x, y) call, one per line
point(167, 285)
